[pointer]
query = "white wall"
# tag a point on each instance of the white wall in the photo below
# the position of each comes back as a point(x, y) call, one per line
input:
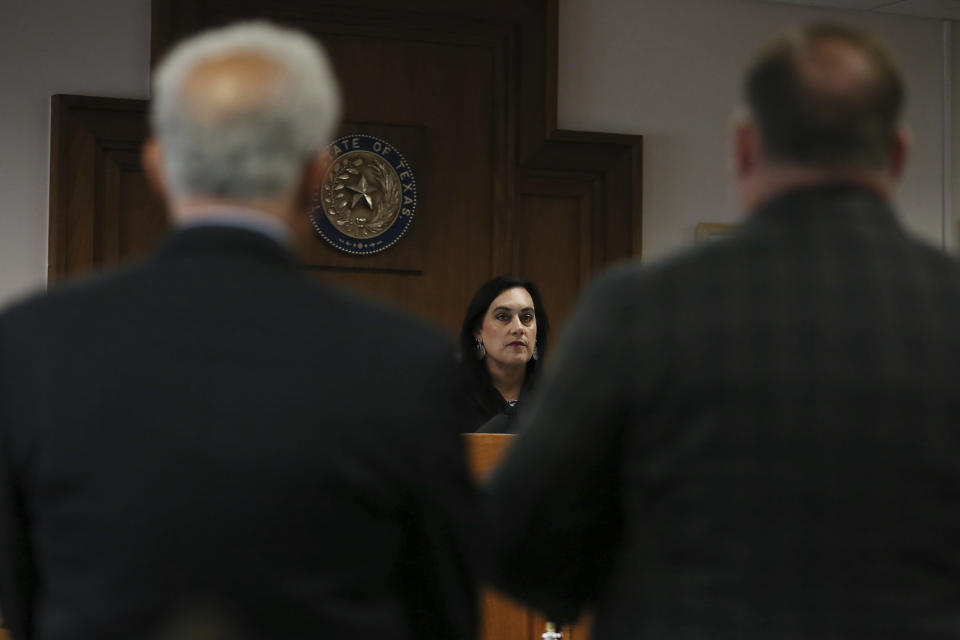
point(666, 69)
point(671, 70)
point(954, 138)
point(94, 47)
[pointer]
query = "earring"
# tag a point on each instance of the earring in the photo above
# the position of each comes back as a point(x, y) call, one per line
point(536, 352)
point(481, 351)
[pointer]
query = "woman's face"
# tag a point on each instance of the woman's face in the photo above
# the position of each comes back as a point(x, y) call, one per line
point(509, 328)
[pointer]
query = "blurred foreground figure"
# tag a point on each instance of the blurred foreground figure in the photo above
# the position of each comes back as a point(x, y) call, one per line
point(212, 431)
point(759, 439)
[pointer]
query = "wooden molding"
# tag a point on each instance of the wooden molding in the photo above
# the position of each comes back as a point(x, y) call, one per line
point(93, 142)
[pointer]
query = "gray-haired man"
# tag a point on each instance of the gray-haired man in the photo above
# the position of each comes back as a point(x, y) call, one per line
point(211, 435)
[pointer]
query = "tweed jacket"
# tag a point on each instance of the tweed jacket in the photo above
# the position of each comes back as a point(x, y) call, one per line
point(755, 439)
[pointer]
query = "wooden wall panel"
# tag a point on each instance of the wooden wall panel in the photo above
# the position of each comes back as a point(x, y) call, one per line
point(558, 219)
point(141, 215)
point(445, 99)
point(437, 86)
point(466, 90)
point(479, 80)
point(134, 218)
point(101, 210)
point(554, 222)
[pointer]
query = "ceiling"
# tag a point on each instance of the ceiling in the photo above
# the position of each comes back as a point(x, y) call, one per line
point(944, 9)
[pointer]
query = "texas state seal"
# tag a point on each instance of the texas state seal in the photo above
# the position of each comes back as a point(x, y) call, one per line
point(367, 198)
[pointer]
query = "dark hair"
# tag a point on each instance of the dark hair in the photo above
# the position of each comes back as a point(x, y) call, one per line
point(810, 120)
point(477, 375)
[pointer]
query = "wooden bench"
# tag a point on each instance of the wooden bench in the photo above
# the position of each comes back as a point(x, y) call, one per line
point(501, 618)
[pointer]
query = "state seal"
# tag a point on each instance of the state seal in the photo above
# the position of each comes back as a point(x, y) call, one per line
point(367, 198)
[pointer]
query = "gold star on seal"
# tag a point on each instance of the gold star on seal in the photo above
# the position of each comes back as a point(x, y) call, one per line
point(362, 191)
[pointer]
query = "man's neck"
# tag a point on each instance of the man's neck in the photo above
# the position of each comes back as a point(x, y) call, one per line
point(189, 209)
point(265, 218)
point(777, 179)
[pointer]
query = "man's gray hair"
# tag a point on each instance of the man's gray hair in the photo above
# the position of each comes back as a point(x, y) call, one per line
point(257, 150)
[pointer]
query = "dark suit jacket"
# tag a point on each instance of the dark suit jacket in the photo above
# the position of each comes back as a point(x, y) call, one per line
point(214, 432)
point(758, 439)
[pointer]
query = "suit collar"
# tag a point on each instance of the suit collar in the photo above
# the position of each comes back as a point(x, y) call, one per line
point(836, 206)
point(227, 241)
point(235, 216)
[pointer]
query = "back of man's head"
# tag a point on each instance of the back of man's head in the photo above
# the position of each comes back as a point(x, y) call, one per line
point(241, 110)
point(826, 95)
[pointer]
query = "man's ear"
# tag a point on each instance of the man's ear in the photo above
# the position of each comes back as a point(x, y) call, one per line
point(746, 148)
point(151, 157)
point(312, 178)
point(902, 142)
point(747, 162)
point(317, 169)
point(310, 182)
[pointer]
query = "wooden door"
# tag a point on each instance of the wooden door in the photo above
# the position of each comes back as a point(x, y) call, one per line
point(466, 91)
